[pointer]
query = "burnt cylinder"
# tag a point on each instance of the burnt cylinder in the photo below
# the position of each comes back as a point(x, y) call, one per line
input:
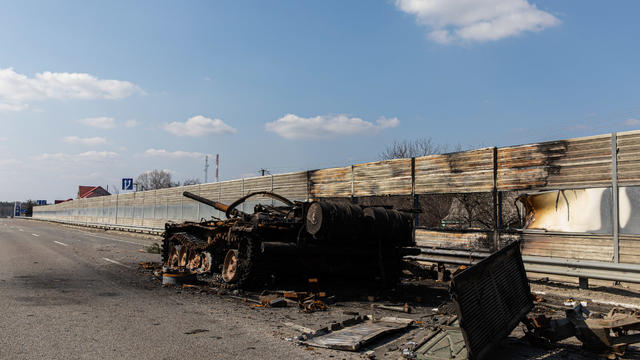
point(335, 221)
point(394, 227)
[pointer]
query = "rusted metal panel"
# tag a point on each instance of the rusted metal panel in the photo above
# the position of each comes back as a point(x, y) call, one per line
point(570, 246)
point(453, 240)
point(173, 195)
point(353, 337)
point(210, 190)
point(292, 185)
point(230, 191)
point(138, 208)
point(491, 298)
point(334, 182)
point(573, 163)
point(262, 183)
point(462, 172)
point(629, 158)
point(389, 177)
point(630, 249)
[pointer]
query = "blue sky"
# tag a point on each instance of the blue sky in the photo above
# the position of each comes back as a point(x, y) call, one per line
point(91, 92)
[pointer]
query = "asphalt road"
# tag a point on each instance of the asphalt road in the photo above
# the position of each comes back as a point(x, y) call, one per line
point(70, 293)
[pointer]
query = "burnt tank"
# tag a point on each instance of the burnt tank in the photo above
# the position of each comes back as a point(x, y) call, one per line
point(294, 240)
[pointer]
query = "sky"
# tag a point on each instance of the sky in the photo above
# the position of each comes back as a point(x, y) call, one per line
point(93, 92)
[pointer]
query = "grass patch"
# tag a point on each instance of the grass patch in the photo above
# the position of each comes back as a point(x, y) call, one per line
point(154, 249)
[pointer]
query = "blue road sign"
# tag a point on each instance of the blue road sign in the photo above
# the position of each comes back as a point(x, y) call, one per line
point(17, 210)
point(41, 202)
point(127, 184)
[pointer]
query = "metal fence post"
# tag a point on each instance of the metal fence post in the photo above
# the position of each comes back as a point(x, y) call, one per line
point(308, 185)
point(198, 214)
point(355, 201)
point(497, 208)
point(614, 198)
point(416, 197)
point(155, 202)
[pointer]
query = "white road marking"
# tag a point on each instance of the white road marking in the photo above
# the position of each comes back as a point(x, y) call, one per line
point(115, 262)
point(20, 229)
point(59, 243)
point(36, 235)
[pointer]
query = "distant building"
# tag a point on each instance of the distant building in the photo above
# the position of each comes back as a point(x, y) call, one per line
point(91, 191)
point(61, 201)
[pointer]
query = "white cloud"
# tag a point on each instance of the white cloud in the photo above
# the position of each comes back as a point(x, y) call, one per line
point(16, 90)
point(173, 154)
point(198, 126)
point(88, 155)
point(3, 138)
point(84, 141)
point(9, 162)
point(131, 123)
point(293, 126)
point(632, 122)
point(102, 122)
point(477, 20)
point(12, 107)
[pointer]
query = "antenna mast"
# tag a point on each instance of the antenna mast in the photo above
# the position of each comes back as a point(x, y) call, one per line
point(206, 169)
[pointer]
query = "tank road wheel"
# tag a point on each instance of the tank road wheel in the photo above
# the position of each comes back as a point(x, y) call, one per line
point(230, 266)
point(173, 255)
point(206, 261)
point(193, 260)
point(183, 256)
point(251, 271)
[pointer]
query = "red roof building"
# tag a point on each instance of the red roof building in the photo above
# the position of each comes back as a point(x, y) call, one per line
point(91, 191)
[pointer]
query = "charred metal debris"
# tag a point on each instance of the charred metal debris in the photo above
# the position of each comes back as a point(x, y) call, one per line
point(310, 242)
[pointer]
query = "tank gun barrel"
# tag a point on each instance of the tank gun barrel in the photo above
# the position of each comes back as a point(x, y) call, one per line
point(217, 205)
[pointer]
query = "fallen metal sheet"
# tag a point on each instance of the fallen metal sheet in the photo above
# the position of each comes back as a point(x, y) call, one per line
point(491, 298)
point(447, 343)
point(353, 337)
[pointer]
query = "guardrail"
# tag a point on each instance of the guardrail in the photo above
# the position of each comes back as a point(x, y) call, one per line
point(582, 269)
point(129, 228)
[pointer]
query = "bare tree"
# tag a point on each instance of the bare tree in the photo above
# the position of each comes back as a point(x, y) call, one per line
point(415, 148)
point(115, 190)
point(155, 179)
point(191, 181)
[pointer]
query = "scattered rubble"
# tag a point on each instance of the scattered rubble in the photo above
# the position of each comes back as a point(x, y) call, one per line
point(485, 304)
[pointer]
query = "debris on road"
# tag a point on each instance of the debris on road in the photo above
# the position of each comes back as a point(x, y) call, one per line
point(487, 301)
point(405, 309)
point(149, 265)
point(445, 343)
point(176, 278)
point(613, 332)
point(353, 333)
point(312, 305)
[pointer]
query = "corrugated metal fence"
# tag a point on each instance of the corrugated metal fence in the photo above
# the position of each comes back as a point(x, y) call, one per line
point(609, 161)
